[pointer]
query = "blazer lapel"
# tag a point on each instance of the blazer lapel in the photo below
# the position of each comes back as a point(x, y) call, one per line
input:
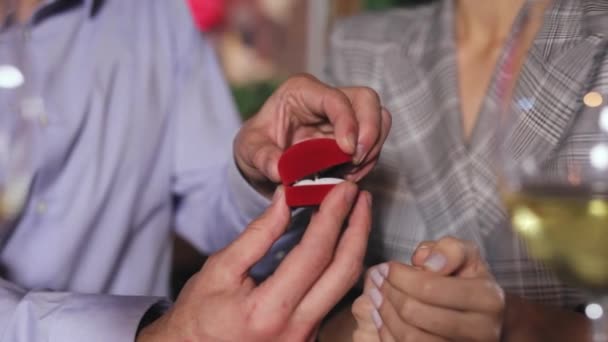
point(455, 187)
point(558, 72)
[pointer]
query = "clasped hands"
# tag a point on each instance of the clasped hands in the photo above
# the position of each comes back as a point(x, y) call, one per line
point(447, 294)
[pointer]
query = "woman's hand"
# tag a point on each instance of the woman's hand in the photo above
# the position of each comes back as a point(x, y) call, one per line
point(447, 295)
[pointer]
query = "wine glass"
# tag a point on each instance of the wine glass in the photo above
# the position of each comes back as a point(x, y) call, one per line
point(20, 108)
point(558, 208)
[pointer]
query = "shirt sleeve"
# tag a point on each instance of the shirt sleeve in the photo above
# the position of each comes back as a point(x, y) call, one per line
point(67, 317)
point(213, 201)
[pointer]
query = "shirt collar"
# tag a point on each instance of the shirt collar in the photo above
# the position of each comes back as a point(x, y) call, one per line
point(49, 8)
point(94, 6)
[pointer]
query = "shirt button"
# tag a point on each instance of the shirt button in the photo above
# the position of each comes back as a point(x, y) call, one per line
point(41, 208)
point(280, 255)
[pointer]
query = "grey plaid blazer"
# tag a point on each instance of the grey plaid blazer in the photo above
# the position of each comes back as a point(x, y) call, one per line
point(429, 183)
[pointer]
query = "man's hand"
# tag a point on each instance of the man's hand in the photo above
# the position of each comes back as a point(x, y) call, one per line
point(304, 108)
point(447, 295)
point(221, 303)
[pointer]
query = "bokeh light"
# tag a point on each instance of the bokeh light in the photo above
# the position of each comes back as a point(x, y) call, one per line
point(594, 311)
point(10, 77)
point(599, 156)
point(604, 119)
point(593, 99)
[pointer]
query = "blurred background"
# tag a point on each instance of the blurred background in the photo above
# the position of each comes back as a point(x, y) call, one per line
point(260, 43)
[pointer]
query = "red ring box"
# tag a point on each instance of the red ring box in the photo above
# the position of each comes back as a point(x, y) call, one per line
point(306, 159)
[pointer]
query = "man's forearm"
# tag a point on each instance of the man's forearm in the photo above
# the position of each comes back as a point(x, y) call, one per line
point(527, 321)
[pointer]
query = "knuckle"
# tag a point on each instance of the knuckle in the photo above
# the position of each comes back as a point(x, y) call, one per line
point(426, 244)
point(450, 240)
point(406, 310)
point(393, 265)
point(453, 244)
point(427, 289)
point(496, 297)
point(196, 282)
point(266, 327)
point(214, 262)
point(369, 94)
point(303, 77)
point(321, 259)
point(361, 307)
point(258, 229)
point(337, 94)
point(260, 159)
point(299, 79)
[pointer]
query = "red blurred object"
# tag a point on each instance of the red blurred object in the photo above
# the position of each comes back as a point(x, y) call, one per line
point(306, 159)
point(208, 14)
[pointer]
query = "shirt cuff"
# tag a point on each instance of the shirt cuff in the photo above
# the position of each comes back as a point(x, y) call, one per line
point(249, 203)
point(101, 318)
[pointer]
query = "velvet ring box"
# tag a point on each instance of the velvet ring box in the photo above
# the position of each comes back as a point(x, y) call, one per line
point(309, 171)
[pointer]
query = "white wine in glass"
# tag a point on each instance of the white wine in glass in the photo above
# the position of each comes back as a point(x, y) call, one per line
point(566, 226)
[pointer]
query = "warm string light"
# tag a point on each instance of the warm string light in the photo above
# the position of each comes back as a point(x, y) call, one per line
point(593, 99)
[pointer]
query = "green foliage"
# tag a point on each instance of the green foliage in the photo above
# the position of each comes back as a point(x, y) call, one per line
point(250, 98)
point(382, 4)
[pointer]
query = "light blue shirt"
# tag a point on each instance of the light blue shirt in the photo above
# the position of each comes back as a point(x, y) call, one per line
point(136, 143)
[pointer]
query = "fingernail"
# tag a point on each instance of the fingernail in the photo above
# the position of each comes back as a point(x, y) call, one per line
point(423, 246)
point(383, 269)
point(377, 319)
point(376, 297)
point(359, 154)
point(435, 262)
point(376, 277)
point(351, 141)
point(278, 194)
